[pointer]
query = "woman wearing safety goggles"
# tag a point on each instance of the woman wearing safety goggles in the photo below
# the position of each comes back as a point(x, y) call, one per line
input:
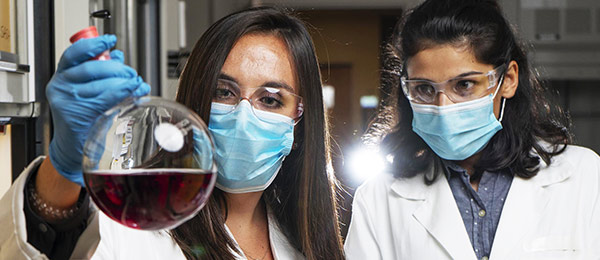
point(482, 162)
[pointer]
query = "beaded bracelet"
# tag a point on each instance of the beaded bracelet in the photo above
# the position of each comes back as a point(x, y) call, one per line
point(44, 209)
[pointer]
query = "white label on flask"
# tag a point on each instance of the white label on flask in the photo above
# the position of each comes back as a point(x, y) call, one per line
point(169, 137)
point(122, 126)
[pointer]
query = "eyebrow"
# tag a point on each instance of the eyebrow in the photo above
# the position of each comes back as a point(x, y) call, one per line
point(268, 84)
point(455, 77)
point(227, 77)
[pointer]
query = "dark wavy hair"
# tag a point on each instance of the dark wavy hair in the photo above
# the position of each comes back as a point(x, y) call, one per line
point(531, 116)
point(302, 196)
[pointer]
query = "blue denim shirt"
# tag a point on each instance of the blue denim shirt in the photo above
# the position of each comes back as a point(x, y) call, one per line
point(480, 210)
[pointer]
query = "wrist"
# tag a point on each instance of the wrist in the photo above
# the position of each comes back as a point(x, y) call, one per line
point(45, 209)
point(55, 189)
point(64, 165)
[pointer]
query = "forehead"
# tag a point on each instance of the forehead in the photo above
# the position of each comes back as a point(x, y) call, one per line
point(442, 62)
point(259, 58)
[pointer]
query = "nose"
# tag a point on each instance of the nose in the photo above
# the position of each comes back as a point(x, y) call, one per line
point(442, 100)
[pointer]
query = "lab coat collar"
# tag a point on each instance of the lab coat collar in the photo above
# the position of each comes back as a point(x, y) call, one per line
point(410, 188)
point(558, 171)
point(414, 188)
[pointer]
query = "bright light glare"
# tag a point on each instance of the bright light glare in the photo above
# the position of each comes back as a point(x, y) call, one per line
point(364, 163)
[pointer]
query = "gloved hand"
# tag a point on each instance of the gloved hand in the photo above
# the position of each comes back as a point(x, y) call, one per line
point(79, 92)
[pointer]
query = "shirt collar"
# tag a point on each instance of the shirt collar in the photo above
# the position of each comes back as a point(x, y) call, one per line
point(451, 167)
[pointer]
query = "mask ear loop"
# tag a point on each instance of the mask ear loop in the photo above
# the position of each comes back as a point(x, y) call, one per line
point(503, 99)
point(502, 110)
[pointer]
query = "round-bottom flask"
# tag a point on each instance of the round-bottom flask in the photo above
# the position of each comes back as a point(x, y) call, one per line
point(148, 163)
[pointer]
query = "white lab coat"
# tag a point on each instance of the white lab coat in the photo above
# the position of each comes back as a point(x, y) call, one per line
point(554, 215)
point(104, 238)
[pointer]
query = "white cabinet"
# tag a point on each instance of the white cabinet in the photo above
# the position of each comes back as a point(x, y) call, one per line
point(17, 88)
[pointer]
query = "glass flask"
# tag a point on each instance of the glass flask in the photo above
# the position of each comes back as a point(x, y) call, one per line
point(148, 163)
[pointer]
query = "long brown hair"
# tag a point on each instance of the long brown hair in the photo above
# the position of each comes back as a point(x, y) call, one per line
point(302, 196)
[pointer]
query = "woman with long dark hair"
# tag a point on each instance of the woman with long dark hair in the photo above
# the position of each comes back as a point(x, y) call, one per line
point(254, 77)
point(481, 158)
point(302, 196)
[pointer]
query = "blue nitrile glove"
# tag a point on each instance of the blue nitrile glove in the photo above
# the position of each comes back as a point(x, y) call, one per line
point(79, 92)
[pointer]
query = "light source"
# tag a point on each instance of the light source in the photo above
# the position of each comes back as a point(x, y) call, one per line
point(364, 162)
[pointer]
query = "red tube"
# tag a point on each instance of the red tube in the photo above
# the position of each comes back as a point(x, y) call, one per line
point(89, 32)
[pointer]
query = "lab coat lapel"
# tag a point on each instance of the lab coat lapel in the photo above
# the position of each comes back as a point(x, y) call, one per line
point(440, 216)
point(525, 205)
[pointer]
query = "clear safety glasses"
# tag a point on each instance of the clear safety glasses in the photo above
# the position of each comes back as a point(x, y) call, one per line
point(277, 100)
point(457, 89)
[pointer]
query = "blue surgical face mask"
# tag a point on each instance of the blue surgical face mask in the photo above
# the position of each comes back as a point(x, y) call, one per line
point(249, 150)
point(457, 131)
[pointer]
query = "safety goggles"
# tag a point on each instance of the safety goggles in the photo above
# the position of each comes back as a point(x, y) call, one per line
point(277, 100)
point(458, 89)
